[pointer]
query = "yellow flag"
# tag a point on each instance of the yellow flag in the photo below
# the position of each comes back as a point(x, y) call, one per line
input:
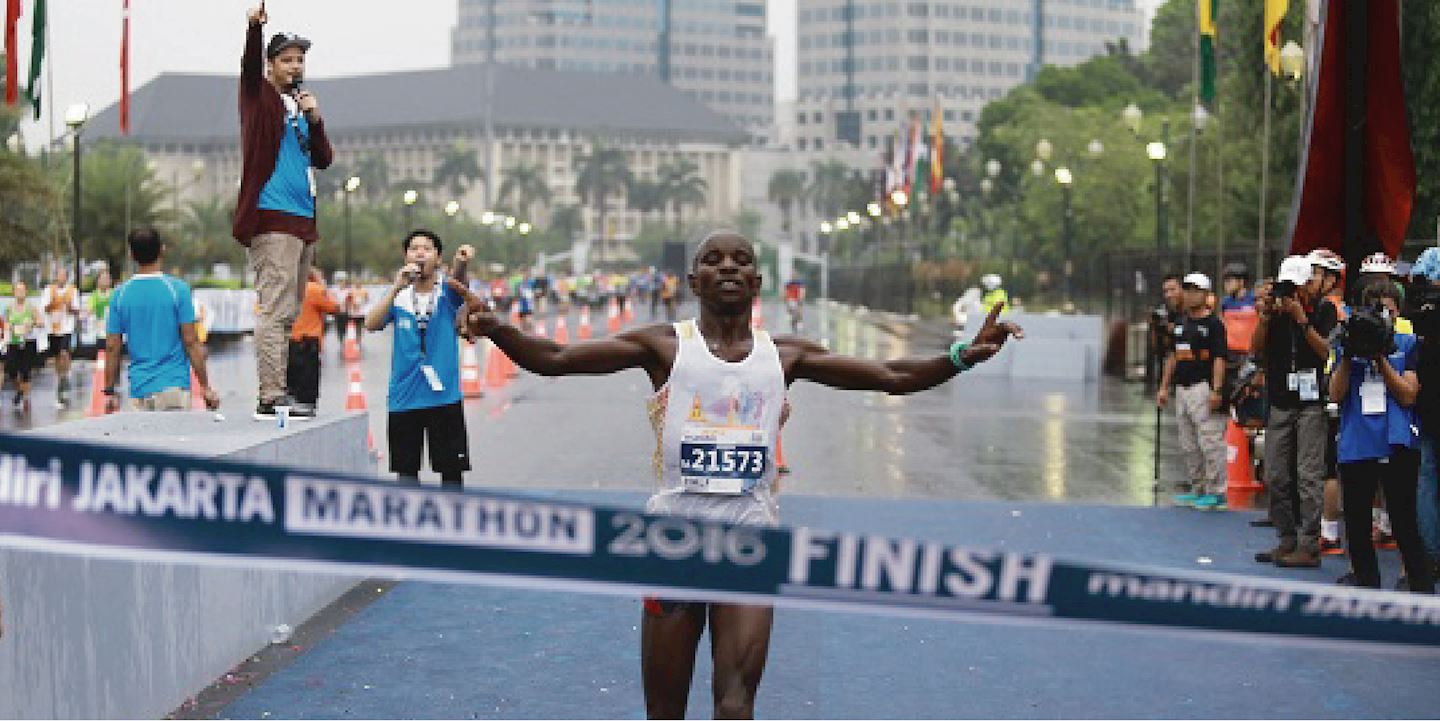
point(1274, 14)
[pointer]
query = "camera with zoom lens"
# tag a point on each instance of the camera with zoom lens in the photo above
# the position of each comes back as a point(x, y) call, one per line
point(1423, 310)
point(1368, 333)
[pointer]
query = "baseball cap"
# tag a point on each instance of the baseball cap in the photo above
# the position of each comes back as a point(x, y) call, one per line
point(1198, 280)
point(280, 41)
point(1295, 269)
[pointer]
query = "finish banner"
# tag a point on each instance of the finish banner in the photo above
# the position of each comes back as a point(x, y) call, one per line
point(88, 499)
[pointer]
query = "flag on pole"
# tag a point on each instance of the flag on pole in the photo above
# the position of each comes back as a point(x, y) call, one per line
point(12, 53)
point(125, 70)
point(937, 150)
point(915, 155)
point(1274, 15)
point(1206, 25)
point(37, 56)
point(895, 175)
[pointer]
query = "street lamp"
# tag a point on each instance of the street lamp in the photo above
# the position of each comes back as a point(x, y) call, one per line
point(409, 199)
point(1044, 150)
point(523, 228)
point(1157, 153)
point(509, 222)
point(986, 185)
point(1037, 166)
point(899, 199)
point(1132, 116)
point(1096, 148)
point(873, 210)
point(842, 224)
point(826, 228)
point(853, 217)
point(1200, 117)
point(487, 218)
point(1066, 179)
point(1292, 60)
point(75, 118)
point(451, 208)
point(992, 168)
point(352, 184)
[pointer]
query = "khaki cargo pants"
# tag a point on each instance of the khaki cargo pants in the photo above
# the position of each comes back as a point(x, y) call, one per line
point(281, 263)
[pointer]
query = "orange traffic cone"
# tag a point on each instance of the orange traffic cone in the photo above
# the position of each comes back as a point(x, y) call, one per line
point(562, 334)
point(1241, 487)
point(583, 332)
point(97, 386)
point(197, 399)
point(540, 328)
point(352, 342)
point(629, 311)
point(355, 396)
point(470, 382)
point(496, 366)
point(612, 317)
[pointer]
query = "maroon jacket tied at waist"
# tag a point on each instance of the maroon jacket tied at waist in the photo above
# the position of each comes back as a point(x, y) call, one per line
point(262, 127)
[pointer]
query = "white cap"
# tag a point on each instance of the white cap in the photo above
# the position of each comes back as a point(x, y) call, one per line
point(1377, 263)
point(1199, 280)
point(1295, 269)
point(991, 281)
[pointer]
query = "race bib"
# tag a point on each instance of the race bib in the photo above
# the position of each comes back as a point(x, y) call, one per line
point(1307, 384)
point(1372, 397)
point(722, 460)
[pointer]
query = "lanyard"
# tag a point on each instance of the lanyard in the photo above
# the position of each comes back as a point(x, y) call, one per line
point(422, 316)
point(293, 119)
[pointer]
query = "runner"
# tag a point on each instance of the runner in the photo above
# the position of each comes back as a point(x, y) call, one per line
point(794, 304)
point(23, 324)
point(61, 302)
point(728, 387)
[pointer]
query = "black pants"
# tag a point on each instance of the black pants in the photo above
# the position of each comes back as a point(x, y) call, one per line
point(1398, 478)
point(302, 371)
point(444, 428)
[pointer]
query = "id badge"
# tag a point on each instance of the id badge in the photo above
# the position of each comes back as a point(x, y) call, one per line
point(1292, 382)
point(722, 460)
point(310, 176)
point(432, 378)
point(1372, 397)
point(1308, 385)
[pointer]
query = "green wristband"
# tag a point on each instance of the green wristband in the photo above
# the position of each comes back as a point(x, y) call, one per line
point(957, 348)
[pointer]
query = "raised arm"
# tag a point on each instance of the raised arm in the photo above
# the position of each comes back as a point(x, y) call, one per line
point(898, 377)
point(631, 349)
point(252, 66)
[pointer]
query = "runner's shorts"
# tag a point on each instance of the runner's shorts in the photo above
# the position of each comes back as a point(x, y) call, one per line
point(444, 429)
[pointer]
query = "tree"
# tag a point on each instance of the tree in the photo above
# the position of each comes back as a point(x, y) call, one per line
point(116, 186)
point(787, 188)
point(205, 227)
point(1420, 24)
point(457, 168)
point(646, 196)
point(29, 209)
point(828, 180)
point(602, 173)
point(566, 222)
point(522, 185)
point(681, 184)
point(374, 174)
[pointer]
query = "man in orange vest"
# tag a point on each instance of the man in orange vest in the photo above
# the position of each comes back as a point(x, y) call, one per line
point(1237, 310)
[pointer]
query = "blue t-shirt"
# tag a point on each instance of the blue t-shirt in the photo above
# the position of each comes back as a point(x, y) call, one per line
point(288, 189)
point(148, 310)
point(409, 388)
point(1368, 437)
point(1246, 300)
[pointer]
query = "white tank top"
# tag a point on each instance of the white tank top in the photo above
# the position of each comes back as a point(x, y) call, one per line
point(717, 424)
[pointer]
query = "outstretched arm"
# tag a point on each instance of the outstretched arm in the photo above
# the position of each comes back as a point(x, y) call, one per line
point(631, 349)
point(897, 377)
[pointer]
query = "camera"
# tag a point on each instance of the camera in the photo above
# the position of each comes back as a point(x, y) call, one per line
point(1284, 289)
point(1423, 310)
point(1367, 333)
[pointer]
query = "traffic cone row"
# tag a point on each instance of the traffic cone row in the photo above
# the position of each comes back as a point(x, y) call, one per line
point(539, 328)
point(583, 332)
point(355, 393)
point(562, 334)
point(471, 385)
point(97, 385)
point(629, 311)
point(496, 366)
point(612, 317)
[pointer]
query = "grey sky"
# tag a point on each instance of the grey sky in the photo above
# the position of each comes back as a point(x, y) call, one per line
point(205, 36)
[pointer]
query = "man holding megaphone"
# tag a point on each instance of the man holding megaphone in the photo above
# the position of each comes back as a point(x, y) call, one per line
point(283, 143)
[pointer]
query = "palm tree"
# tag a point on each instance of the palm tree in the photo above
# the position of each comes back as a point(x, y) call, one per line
point(829, 179)
point(600, 174)
point(459, 166)
point(205, 224)
point(566, 222)
point(374, 174)
point(681, 184)
point(29, 208)
point(523, 185)
point(787, 187)
point(646, 196)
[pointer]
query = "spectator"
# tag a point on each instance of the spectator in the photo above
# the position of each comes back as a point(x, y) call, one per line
point(1197, 368)
point(153, 319)
point(1377, 389)
point(303, 370)
point(1332, 290)
point(94, 313)
point(1290, 341)
point(1425, 300)
point(1163, 320)
point(1237, 310)
point(23, 327)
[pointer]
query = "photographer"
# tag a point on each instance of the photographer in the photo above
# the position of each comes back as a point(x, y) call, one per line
point(1163, 319)
point(1425, 315)
point(1197, 367)
point(424, 399)
point(1290, 342)
point(1378, 384)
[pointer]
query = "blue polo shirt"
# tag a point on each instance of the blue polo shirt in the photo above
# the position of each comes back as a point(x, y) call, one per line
point(409, 388)
point(148, 310)
point(1364, 438)
point(288, 189)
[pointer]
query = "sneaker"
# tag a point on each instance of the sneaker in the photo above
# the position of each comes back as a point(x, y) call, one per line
point(1210, 502)
point(1383, 541)
point(1330, 547)
point(1403, 584)
point(1347, 580)
point(302, 411)
point(1185, 499)
point(1299, 558)
point(1270, 556)
point(1263, 522)
point(265, 410)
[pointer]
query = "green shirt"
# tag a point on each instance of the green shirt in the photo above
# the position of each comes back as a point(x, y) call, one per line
point(16, 316)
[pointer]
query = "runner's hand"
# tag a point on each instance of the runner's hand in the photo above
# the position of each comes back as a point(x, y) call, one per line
point(406, 274)
point(258, 16)
point(212, 399)
point(112, 404)
point(464, 253)
point(1162, 398)
point(991, 338)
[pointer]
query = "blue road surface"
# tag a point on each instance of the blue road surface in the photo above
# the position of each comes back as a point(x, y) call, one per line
point(453, 651)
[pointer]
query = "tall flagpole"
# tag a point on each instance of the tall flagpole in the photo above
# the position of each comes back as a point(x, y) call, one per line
point(1264, 174)
point(1194, 138)
point(50, 79)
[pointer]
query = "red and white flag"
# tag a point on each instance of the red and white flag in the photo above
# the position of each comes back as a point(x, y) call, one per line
point(12, 53)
